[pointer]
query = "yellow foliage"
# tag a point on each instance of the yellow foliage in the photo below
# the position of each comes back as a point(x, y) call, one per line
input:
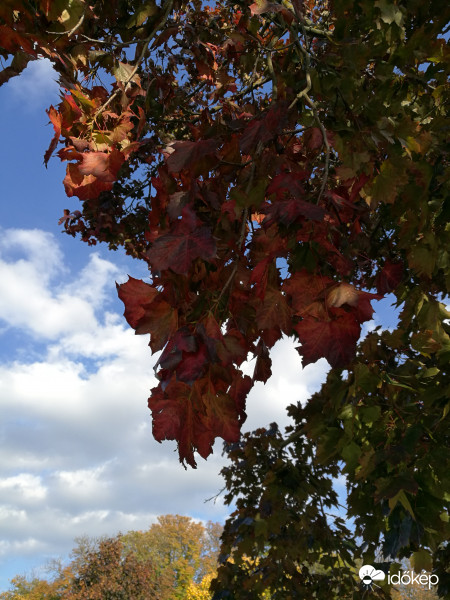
point(200, 591)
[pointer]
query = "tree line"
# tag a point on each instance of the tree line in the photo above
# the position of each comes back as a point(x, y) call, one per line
point(175, 559)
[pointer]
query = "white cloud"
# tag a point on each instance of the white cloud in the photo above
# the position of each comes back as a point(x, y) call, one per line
point(77, 451)
point(22, 488)
point(36, 84)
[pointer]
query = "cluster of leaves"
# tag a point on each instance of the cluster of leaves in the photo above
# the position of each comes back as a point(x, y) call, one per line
point(277, 166)
point(167, 562)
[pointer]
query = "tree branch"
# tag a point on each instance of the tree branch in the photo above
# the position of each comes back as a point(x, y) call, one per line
point(155, 30)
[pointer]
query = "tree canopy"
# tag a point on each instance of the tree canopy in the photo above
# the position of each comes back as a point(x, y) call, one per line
point(169, 561)
point(277, 166)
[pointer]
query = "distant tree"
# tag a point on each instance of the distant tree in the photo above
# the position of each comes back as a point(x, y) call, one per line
point(23, 588)
point(106, 574)
point(181, 551)
point(173, 555)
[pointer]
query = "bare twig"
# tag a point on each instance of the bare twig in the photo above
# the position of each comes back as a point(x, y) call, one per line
point(216, 495)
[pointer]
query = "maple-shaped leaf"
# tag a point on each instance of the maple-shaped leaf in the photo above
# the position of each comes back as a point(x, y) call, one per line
point(147, 312)
point(85, 187)
point(101, 165)
point(290, 201)
point(313, 139)
point(334, 339)
point(137, 296)
point(233, 348)
point(185, 155)
point(225, 417)
point(186, 242)
point(193, 364)
point(389, 277)
point(274, 311)
point(344, 293)
point(195, 415)
point(161, 319)
point(307, 292)
point(12, 41)
point(263, 130)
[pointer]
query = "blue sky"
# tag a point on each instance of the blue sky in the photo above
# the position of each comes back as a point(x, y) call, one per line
point(77, 456)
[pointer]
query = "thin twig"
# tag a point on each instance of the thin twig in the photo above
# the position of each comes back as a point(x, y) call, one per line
point(313, 106)
point(216, 495)
point(243, 226)
point(273, 76)
point(157, 27)
point(71, 31)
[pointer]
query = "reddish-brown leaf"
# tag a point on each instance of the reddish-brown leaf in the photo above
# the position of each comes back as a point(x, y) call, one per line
point(85, 187)
point(344, 293)
point(137, 296)
point(389, 277)
point(186, 242)
point(56, 120)
point(183, 155)
point(334, 339)
point(307, 292)
point(101, 165)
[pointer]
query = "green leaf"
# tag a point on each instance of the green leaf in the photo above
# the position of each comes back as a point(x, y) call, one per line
point(421, 561)
point(401, 497)
point(390, 12)
point(351, 454)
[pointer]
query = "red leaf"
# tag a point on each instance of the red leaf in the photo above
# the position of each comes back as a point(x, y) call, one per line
point(313, 139)
point(178, 249)
point(137, 296)
point(101, 165)
point(85, 187)
point(184, 155)
point(233, 348)
point(307, 293)
point(13, 41)
point(389, 277)
point(263, 130)
point(334, 340)
point(147, 312)
point(195, 415)
point(259, 277)
point(56, 119)
point(274, 312)
point(161, 320)
point(290, 203)
point(262, 6)
point(344, 293)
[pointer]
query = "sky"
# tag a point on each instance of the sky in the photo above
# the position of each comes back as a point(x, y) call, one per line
point(77, 456)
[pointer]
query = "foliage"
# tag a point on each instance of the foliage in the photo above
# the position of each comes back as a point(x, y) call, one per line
point(162, 563)
point(277, 166)
point(200, 591)
point(180, 550)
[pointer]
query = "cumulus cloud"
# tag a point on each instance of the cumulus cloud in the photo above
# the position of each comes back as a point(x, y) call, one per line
point(77, 451)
